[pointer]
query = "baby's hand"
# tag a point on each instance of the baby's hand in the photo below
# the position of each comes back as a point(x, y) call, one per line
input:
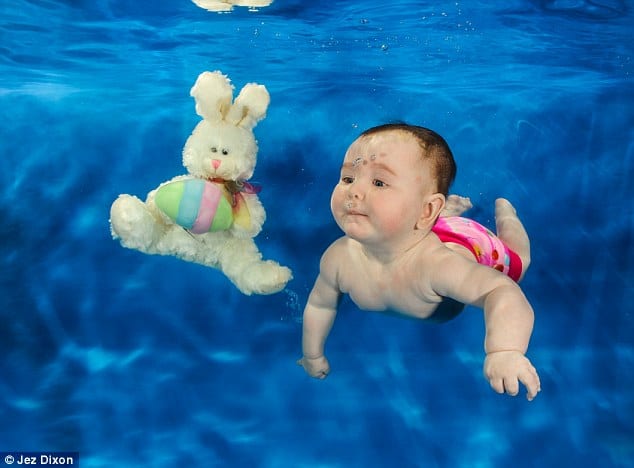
point(315, 367)
point(503, 370)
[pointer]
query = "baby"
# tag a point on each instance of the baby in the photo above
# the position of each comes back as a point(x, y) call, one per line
point(400, 255)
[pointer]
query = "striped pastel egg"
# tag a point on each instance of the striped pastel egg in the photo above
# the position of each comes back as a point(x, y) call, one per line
point(195, 204)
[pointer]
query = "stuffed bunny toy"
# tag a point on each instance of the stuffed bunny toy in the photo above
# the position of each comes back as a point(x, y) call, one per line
point(211, 215)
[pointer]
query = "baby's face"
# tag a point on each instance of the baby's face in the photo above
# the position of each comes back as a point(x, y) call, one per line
point(382, 189)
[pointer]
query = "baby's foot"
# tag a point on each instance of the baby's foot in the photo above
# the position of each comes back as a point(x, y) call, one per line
point(511, 230)
point(456, 205)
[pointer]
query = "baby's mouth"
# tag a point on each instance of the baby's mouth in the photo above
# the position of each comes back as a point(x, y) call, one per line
point(352, 211)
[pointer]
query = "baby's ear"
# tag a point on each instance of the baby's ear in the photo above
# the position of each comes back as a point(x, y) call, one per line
point(432, 207)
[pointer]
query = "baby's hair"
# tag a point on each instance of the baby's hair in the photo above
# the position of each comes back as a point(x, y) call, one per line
point(434, 147)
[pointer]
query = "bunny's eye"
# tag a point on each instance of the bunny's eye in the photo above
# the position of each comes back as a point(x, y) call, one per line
point(214, 149)
point(225, 152)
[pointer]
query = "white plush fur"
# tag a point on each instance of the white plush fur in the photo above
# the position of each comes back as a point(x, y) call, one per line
point(224, 135)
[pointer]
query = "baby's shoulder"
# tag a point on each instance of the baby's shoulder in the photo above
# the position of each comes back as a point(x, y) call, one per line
point(432, 259)
point(334, 257)
point(343, 252)
point(339, 250)
point(431, 251)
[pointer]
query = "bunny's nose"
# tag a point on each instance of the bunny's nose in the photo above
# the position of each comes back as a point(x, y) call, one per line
point(215, 163)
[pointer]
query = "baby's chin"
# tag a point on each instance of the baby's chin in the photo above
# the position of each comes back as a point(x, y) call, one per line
point(355, 230)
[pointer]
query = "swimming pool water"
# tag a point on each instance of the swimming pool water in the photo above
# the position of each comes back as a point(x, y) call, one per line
point(136, 360)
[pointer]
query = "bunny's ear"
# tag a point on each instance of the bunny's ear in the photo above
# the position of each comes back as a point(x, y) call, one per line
point(212, 92)
point(249, 107)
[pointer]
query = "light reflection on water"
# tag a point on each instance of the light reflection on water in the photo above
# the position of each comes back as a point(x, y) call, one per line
point(133, 359)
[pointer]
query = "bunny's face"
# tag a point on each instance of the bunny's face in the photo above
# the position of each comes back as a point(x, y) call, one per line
point(220, 150)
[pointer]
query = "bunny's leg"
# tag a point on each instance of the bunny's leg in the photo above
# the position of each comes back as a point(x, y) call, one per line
point(134, 225)
point(241, 261)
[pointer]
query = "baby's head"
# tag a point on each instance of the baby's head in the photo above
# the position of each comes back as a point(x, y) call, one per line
point(393, 184)
point(433, 149)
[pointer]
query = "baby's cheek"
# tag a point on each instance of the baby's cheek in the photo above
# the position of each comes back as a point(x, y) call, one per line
point(396, 225)
point(391, 224)
point(337, 198)
point(335, 204)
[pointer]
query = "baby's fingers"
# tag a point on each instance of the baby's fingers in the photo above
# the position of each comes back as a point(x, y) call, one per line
point(497, 385)
point(530, 379)
point(511, 386)
point(317, 367)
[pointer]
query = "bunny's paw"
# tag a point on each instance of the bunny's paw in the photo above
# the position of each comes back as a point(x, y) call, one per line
point(133, 224)
point(267, 277)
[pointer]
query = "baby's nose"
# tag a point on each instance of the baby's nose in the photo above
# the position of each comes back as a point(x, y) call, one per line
point(355, 191)
point(215, 163)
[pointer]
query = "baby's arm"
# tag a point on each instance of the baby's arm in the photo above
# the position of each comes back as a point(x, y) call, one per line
point(319, 315)
point(509, 323)
point(508, 318)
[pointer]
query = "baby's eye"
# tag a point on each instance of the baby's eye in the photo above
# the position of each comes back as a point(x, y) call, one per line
point(378, 183)
point(225, 151)
point(214, 149)
point(347, 179)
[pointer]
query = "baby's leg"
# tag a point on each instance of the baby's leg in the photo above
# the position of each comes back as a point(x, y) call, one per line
point(456, 205)
point(511, 230)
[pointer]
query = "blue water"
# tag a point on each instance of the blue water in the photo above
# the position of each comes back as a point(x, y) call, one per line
point(136, 360)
